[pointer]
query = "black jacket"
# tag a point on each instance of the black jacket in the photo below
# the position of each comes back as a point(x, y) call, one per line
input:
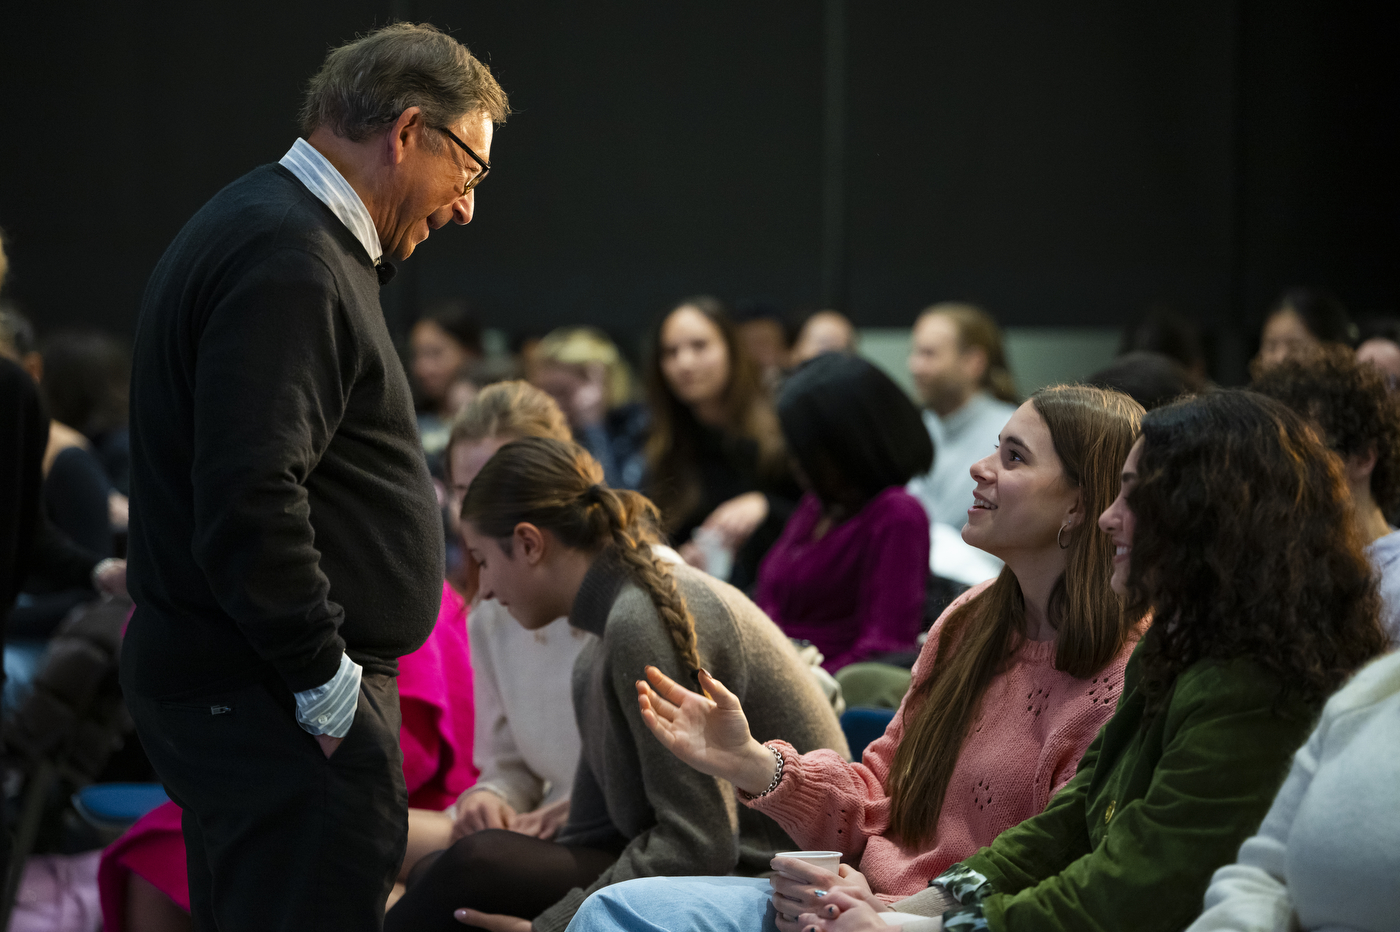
point(281, 510)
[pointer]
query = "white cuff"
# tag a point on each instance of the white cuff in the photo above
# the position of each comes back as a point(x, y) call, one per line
point(329, 709)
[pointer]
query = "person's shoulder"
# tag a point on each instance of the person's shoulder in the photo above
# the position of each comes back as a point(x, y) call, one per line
point(897, 505)
point(1374, 683)
point(1225, 686)
point(1384, 552)
point(269, 208)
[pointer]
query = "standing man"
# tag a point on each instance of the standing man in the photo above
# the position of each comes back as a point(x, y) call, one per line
point(285, 543)
point(960, 370)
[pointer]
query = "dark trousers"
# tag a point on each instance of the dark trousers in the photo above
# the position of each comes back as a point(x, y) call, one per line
point(495, 872)
point(278, 836)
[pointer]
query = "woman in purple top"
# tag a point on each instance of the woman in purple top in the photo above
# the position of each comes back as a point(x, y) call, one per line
point(849, 571)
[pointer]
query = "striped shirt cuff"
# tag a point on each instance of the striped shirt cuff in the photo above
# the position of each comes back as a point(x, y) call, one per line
point(329, 709)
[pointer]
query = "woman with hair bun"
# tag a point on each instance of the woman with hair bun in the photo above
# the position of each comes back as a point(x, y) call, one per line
point(549, 540)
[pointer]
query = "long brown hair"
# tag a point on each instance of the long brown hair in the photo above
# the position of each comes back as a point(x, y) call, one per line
point(1245, 546)
point(558, 487)
point(1092, 429)
point(673, 445)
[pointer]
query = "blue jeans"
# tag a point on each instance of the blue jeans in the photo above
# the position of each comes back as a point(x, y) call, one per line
point(696, 904)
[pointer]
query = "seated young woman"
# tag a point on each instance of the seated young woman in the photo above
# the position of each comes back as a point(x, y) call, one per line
point(715, 458)
point(526, 741)
point(848, 572)
point(1326, 856)
point(1234, 528)
point(550, 539)
point(1014, 681)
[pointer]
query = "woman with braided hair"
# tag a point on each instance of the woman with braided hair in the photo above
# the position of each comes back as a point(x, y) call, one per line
point(550, 539)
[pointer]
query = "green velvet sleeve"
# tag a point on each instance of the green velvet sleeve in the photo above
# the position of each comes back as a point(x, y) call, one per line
point(1224, 749)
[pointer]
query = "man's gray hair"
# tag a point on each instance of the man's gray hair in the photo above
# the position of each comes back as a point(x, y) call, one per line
point(366, 84)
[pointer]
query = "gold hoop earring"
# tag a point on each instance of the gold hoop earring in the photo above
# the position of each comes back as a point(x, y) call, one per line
point(1063, 528)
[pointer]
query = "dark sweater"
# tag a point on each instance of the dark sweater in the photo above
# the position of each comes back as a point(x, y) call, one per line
point(628, 788)
point(281, 510)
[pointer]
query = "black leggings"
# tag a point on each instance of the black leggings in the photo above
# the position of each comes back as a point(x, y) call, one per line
point(494, 871)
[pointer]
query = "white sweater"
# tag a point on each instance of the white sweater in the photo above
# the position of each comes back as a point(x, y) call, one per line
point(1327, 856)
point(526, 744)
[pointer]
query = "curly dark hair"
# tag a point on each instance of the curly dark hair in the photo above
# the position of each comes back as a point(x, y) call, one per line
point(1349, 403)
point(1244, 547)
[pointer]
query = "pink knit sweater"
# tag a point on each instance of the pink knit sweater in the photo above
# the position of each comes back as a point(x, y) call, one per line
point(1033, 726)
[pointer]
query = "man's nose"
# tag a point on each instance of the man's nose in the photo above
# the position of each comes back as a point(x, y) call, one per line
point(463, 207)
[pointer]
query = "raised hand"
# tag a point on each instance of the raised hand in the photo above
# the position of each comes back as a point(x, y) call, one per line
point(710, 734)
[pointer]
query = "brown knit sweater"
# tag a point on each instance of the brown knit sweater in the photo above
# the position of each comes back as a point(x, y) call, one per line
point(674, 819)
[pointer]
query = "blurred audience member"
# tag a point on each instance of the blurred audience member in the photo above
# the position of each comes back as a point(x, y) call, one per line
point(849, 571)
point(959, 369)
point(763, 334)
point(1162, 330)
point(1301, 321)
point(77, 497)
point(1152, 379)
point(1326, 856)
point(715, 453)
point(17, 341)
point(823, 332)
point(1380, 347)
point(583, 371)
point(86, 379)
point(526, 740)
point(1360, 422)
point(442, 343)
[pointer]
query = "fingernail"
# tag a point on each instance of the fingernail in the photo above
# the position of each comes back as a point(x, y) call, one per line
point(460, 914)
point(819, 893)
point(831, 911)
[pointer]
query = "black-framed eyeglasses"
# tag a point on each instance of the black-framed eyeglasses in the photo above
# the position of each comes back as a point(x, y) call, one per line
point(474, 180)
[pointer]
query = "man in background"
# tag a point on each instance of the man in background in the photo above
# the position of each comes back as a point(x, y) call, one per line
point(285, 541)
point(959, 369)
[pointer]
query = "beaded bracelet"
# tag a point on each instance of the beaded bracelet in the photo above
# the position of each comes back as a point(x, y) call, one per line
point(777, 775)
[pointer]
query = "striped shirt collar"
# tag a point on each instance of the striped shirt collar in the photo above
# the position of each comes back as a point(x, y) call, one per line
point(323, 180)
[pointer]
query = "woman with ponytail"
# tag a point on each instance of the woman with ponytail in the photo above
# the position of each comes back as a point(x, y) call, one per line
point(1014, 681)
point(550, 539)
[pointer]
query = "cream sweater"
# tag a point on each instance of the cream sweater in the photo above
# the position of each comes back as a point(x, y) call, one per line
point(526, 744)
point(1327, 856)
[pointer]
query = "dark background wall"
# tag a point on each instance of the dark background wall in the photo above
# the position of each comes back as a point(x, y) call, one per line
point(1064, 164)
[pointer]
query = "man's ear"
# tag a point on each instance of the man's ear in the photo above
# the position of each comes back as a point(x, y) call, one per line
point(974, 364)
point(406, 131)
point(530, 542)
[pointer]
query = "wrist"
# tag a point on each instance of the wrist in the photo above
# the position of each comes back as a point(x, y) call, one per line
point(764, 773)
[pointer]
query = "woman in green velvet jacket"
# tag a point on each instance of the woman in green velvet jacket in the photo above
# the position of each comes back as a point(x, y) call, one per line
point(1232, 526)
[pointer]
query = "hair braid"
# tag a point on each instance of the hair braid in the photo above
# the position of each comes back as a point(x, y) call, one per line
point(558, 486)
point(631, 520)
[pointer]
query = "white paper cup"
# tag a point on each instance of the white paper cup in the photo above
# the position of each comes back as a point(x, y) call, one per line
point(826, 860)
